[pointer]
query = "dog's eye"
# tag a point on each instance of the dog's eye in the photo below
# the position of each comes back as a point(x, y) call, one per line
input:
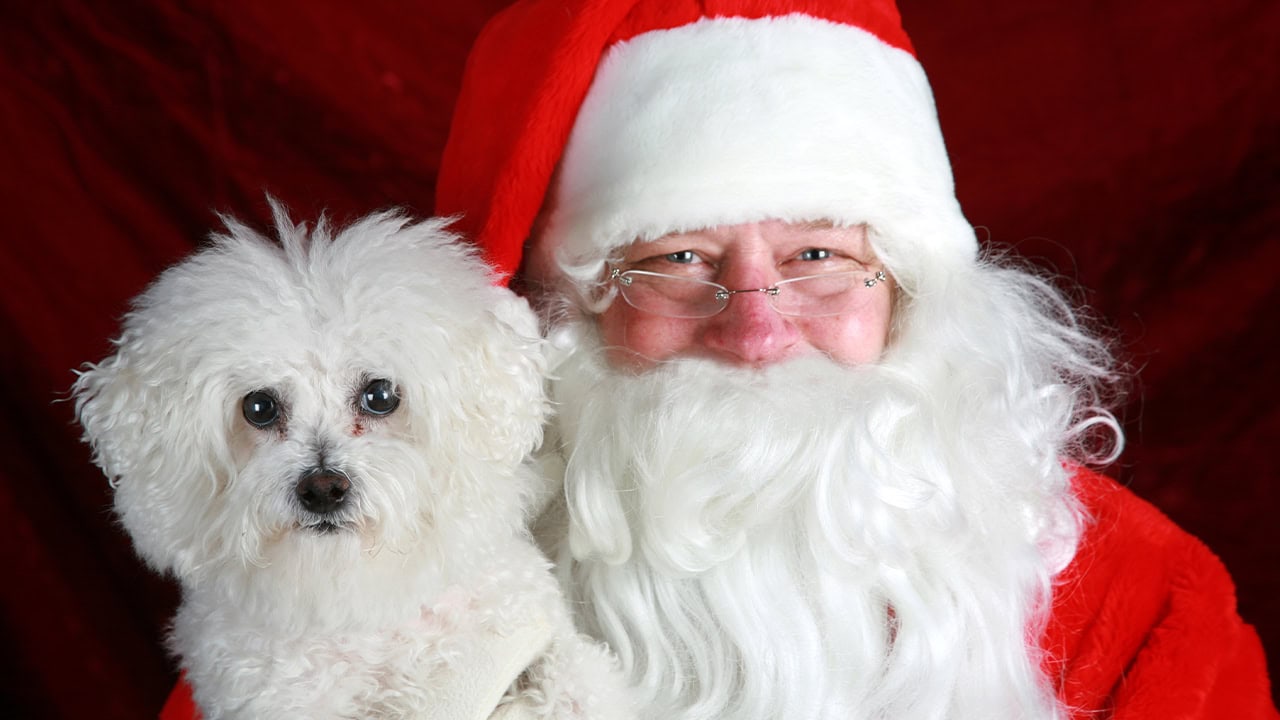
point(261, 408)
point(379, 398)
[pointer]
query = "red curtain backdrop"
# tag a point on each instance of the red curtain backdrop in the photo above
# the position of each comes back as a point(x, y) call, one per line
point(1132, 147)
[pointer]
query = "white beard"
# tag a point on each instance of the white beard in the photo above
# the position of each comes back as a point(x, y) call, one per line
point(810, 540)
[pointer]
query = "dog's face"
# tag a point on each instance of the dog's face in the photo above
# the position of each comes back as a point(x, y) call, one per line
point(326, 442)
point(368, 390)
point(325, 433)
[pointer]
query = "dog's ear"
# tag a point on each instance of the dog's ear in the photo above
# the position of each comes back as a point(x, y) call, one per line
point(159, 434)
point(507, 371)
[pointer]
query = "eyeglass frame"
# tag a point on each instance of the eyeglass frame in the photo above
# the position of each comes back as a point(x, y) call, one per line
point(724, 294)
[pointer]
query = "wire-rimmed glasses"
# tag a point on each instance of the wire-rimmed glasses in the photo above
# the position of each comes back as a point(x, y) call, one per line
point(689, 298)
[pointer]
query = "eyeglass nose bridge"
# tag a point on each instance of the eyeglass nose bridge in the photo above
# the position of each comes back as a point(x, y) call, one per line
point(723, 294)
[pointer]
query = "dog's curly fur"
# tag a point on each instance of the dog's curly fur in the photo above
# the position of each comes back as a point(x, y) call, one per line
point(404, 581)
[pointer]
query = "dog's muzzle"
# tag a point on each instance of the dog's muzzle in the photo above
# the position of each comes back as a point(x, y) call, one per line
point(323, 491)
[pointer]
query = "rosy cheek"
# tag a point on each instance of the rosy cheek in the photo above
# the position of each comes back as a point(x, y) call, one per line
point(854, 339)
point(637, 340)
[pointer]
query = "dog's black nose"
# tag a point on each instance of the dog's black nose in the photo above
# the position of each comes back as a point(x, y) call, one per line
point(323, 492)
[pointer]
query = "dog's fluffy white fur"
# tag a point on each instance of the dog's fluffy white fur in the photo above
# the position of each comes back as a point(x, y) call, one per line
point(338, 560)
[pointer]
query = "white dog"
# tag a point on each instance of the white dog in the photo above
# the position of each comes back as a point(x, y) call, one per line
point(323, 439)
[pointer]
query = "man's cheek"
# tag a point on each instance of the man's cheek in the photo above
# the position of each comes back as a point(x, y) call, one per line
point(636, 340)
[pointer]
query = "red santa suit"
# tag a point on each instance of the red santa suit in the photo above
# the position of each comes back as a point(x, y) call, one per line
point(1144, 621)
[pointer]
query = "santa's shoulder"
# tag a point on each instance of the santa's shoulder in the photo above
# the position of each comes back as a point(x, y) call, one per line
point(1144, 619)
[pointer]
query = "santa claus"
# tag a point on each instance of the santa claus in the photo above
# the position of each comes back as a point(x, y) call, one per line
point(817, 454)
point(821, 455)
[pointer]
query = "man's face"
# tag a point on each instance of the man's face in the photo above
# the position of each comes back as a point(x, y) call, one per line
point(749, 331)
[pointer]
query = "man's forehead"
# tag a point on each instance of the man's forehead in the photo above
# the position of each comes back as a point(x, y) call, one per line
point(773, 231)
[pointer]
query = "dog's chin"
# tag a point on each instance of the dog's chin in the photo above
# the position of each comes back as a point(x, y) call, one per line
point(326, 527)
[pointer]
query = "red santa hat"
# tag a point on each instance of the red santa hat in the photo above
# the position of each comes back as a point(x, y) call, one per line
point(645, 117)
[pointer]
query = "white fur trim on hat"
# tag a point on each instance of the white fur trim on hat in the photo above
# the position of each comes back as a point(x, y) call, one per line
point(733, 120)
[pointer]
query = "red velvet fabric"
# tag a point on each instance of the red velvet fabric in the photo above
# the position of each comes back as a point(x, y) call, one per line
point(1134, 147)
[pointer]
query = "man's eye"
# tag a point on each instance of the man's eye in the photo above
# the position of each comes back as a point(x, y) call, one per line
point(682, 263)
point(815, 254)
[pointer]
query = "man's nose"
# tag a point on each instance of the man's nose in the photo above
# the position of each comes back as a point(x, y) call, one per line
point(749, 331)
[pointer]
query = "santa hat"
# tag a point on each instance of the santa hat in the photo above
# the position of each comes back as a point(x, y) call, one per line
point(645, 117)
